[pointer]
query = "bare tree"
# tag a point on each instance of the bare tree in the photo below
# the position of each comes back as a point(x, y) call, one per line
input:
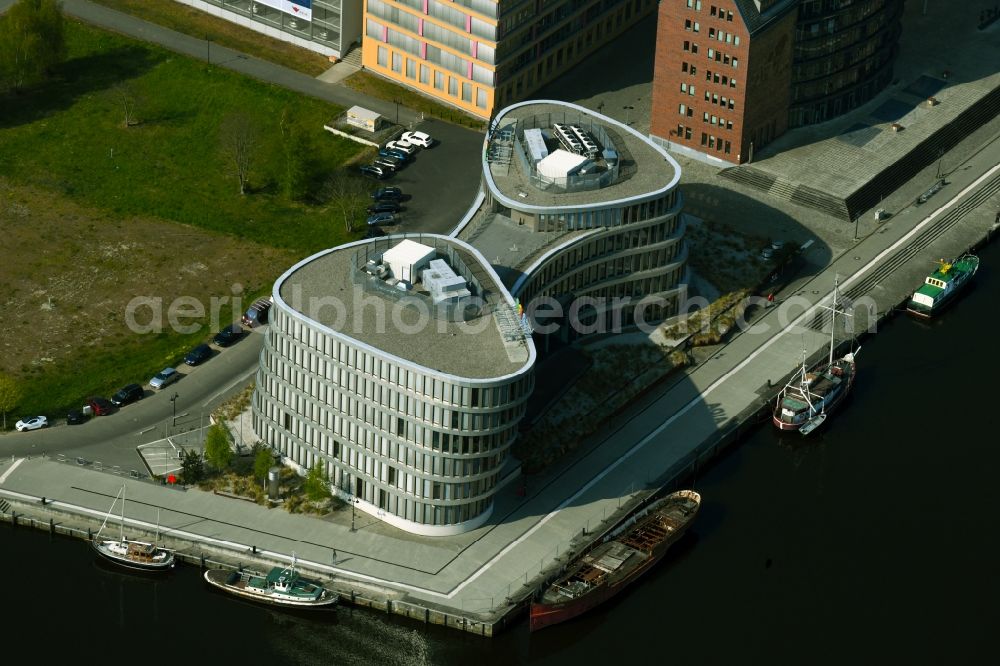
point(126, 96)
point(240, 139)
point(347, 194)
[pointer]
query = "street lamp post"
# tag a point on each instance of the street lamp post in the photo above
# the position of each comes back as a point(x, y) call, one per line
point(627, 109)
point(354, 503)
point(396, 102)
point(208, 49)
point(173, 403)
point(857, 219)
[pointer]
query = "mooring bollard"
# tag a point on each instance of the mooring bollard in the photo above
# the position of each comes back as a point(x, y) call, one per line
point(427, 615)
point(52, 526)
point(253, 549)
point(202, 559)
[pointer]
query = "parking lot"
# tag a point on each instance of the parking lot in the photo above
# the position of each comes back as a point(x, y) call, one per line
point(439, 182)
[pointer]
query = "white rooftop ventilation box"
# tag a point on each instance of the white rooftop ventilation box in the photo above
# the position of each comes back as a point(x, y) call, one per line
point(406, 258)
point(442, 283)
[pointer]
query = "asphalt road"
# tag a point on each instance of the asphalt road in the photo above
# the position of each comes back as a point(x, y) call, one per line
point(112, 439)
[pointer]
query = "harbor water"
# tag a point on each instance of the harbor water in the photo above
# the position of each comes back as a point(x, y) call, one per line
point(873, 539)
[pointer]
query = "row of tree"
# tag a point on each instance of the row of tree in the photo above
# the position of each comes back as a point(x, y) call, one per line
point(32, 43)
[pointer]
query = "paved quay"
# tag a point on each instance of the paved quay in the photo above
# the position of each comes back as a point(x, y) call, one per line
point(466, 581)
point(474, 581)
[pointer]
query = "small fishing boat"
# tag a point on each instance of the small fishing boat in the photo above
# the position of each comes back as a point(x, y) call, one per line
point(942, 286)
point(810, 395)
point(132, 553)
point(281, 586)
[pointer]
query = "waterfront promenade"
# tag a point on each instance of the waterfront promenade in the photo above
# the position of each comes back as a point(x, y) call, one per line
point(477, 575)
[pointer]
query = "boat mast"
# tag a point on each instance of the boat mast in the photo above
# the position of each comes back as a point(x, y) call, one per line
point(833, 320)
point(123, 513)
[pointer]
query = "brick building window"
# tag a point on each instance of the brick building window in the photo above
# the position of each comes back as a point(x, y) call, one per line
point(736, 63)
point(694, 70)
point(687, 46)
point(729, 15)
point(694, 48)
point(711, 53)
point(687, 130)
point(684, 67)
point(731, 104)
point(687, 24)
point(727, 149)
point(697, 28)
point(708, 75)
point(682, 109)
point(704, 139)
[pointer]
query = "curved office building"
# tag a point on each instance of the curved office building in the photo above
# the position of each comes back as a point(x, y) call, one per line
point(842, 57)
point(399, 366)
point(581, 210)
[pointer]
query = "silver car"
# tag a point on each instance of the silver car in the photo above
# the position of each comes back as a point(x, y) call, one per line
point(164, 378)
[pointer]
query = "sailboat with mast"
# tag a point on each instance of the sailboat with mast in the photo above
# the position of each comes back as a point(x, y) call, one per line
point(810, 395)
point(131, 553)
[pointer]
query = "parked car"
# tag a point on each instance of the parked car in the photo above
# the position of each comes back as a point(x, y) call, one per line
point(127, 394)
point(228, 335)
point(390, 153)
point(31, 423)
point(387, 194)
point(164, 377)
point(404, 146)
point(384, 207)
point(382, 218)
point(75, 417)
point(199, 354)
point(256, 314)
point(418, 138)
point(100, 406)
point(386, 166)
point(374, 231)
point(374, 171)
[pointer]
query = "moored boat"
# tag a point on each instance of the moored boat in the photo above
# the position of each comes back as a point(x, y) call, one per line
point(942, 286)
point(132, 553)
point(626, 553)
point(810, 395)
point(281, 586)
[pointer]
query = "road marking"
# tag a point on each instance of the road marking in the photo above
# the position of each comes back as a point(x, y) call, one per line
point(16, 464)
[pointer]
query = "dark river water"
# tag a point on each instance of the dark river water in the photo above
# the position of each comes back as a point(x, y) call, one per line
point(872, 540)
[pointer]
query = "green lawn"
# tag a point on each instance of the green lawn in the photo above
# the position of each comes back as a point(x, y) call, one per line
point(376, 86)
point(69, 136)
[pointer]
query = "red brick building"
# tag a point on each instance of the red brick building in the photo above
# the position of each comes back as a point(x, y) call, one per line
point(733, 75)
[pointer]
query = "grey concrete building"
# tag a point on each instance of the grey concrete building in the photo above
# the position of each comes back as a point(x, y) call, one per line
point(582, 210)
point(399, 366)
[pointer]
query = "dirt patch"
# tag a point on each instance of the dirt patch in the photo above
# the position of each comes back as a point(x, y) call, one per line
point(69, 272)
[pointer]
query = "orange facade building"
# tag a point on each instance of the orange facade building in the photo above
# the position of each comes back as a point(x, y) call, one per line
point(481, 55)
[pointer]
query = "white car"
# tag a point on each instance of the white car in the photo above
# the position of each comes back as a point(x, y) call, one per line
point(418, 138)
point(405, 146)
point(164, 377)
point(31, 423)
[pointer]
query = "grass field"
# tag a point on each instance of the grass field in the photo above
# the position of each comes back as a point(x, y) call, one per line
point(93, 213)
point(197, 23)
point(376, 86)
